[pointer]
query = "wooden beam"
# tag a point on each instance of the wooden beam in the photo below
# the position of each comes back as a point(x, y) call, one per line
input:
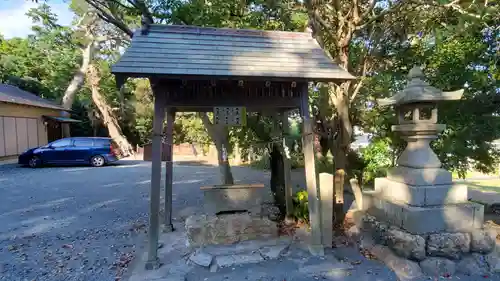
point(251, 94)
point(286, 164)
point(248, 108)
point(316, 247)
point(168, 226)
point(154, 195)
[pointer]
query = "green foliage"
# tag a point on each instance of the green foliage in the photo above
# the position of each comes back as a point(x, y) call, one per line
point(189, 128)
point(378, 157)
point(44, 62)
point(458, 51)
point(301, 206)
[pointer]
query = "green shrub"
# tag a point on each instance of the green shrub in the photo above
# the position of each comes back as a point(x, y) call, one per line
point(301, 206)
point(378, 158)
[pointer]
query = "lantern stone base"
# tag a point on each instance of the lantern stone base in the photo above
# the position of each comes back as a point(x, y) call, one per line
point(429, 228)
point(423, 209)
point(419, 177)
point(435, 254)
point(423, 195)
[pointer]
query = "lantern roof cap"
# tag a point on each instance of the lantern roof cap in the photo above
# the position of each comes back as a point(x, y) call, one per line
point(419, 91)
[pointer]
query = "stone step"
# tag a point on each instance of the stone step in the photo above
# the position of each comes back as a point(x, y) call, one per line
point(245, 246)
point(215, 257)
point(314, 268)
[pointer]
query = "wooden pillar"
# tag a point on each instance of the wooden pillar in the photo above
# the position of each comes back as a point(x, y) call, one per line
point(154, 195)
point(168, 226)
point(286, 164)
point(316, 248)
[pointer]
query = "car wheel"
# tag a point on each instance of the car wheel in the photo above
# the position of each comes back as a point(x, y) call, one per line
point(35, 162)
point(97, 161)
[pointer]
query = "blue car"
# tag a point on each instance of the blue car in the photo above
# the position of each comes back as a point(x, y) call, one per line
point(70, 151)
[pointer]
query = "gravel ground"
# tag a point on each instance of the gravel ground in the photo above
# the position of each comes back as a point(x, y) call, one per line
point(83, 223)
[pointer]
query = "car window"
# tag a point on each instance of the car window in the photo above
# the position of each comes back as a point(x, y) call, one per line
point(61, 143)
point(83, 143)
point(101, 142)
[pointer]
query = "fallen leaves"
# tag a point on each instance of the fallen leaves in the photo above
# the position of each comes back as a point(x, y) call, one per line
point(122, 264)
point(287, 228)
point(137, 226)
point(367, 254)
point(12, 248)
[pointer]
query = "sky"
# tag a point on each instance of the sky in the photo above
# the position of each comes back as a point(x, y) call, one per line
point(15, 23)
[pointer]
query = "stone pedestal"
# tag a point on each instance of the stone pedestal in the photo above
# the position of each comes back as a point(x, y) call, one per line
point(422, 216)
point(422, 201)
point(234, 213)
point(223, 199)
point(205, 230)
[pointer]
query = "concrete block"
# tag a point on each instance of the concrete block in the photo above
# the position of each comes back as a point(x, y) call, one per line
point(245, 246)
point(273, 252)
point(239, 259)
point(326, 201)
point(387, 211)
point(201, 258)
point(400, 192)
point(422, 220)
point(418, 177)
point(445, 194)
point(228, 198)
point(367, 200)
point(425, 195)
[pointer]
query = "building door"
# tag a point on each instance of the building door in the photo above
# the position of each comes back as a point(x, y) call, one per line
point(54, 131)
point(17, 134)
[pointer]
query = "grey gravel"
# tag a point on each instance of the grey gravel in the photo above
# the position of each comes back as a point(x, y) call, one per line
point(83, 223)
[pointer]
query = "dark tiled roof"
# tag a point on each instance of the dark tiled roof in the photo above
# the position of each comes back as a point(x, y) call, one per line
point(13, 94)
point(200, 51)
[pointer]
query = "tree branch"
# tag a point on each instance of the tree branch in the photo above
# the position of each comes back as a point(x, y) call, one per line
point(454, 5)
point(107, 17)
point(385, 12)
point(371, 5)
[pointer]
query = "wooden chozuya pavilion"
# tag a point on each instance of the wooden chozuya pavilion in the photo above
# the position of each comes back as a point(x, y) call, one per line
point(195, 69)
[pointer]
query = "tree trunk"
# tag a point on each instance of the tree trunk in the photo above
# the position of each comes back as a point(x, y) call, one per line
point(220, 137)
point(107, 114)
point(224, 166)
point(340, 147)
point(76, 83)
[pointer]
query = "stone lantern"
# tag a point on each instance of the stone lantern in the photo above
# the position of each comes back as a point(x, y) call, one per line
point(416, 107)
point(417, 210)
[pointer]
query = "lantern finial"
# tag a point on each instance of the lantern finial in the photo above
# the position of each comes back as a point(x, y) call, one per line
point(415, 72)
